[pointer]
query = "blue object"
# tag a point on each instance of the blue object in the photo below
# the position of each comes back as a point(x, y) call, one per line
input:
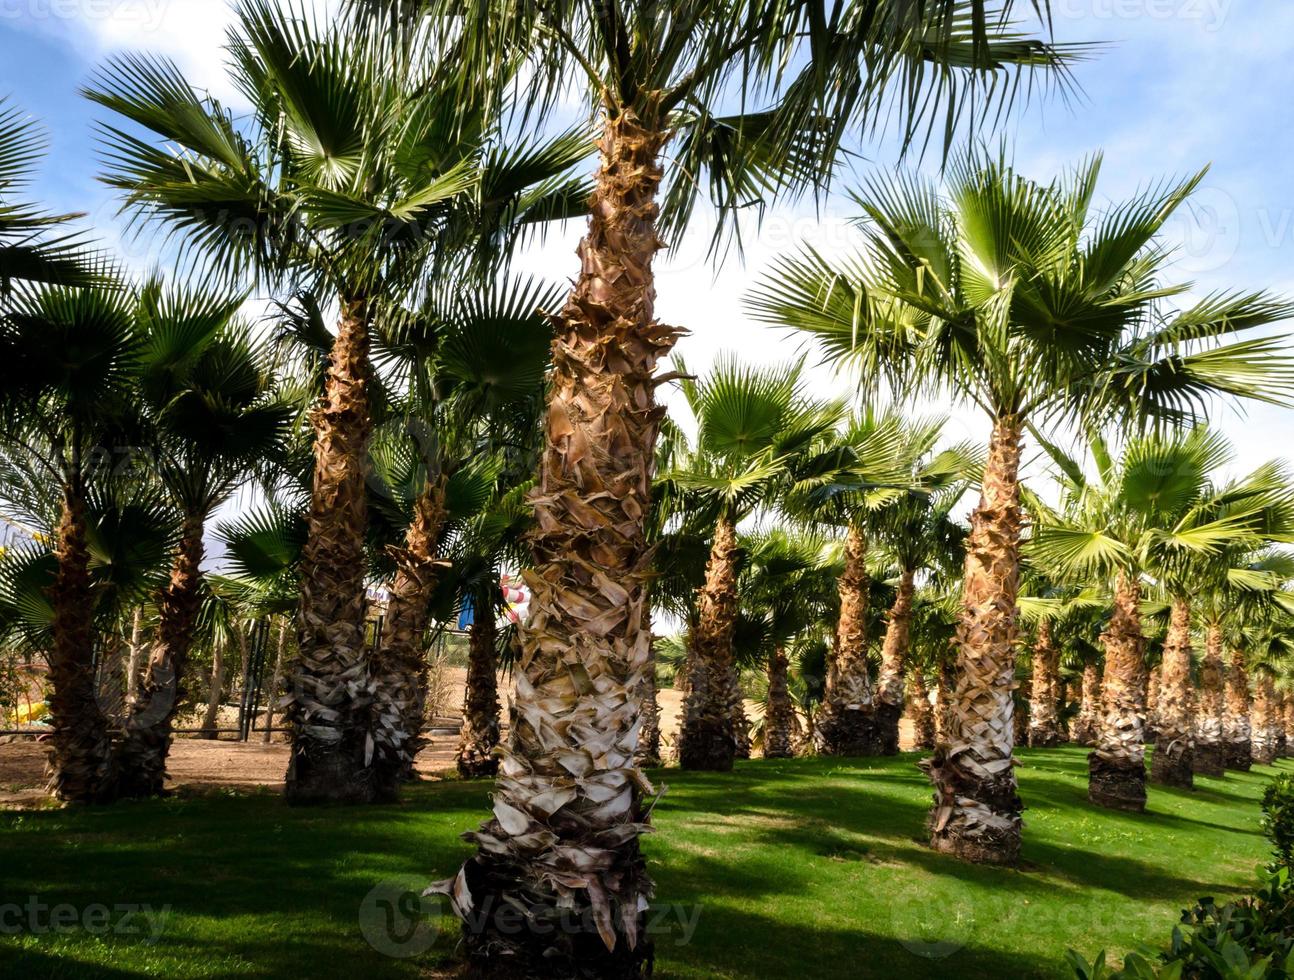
point(466, 614)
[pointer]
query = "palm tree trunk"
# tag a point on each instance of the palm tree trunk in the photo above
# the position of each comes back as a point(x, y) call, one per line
point(1044, 719)
point(1210, 752)
point(1152, 702)
point(707, 740)
point(327, 709)
point(1235, 724)
point(894, 652)
point(1023, 702)
point(741, 745)
point(215, 692)
point(136, 660)
point(1285, 725)
point(1264, 732)
point(1172, 763)
point(480, 735)
point(847, 723)
point(648, 755)
point(276, 680)
point(1117, 767)
point(1089, 713)
point(945, 686)
point(146, 741)
point(563, 846)
point(976, 813)
point(779, 716)
point(80, 766)
point(923, 716)
point(399, 665)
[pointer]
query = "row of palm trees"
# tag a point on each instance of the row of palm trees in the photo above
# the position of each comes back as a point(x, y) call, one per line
point(383, 178)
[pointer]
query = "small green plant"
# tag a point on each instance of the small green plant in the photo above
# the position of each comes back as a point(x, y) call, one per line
point(1278, 820)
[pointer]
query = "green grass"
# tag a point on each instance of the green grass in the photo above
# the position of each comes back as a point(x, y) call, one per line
point(810, 868)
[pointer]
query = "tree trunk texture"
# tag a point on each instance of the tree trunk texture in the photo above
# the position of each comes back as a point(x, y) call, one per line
point(399, 664)
point(1235, 724)
point(1173, 761)
point(779, 716)
point(1089, 714)
point(1152, 702)
point(1023, 704)
point(276, 681)
point(847, 721)
point(1285, 725)
point(215, 691)
point(707, 738)
point(480, 733)
point(945, 686)
point(568, 810)
point(976, 813)
point(648, 754)
point(1044, 716)
point(1210, 749)
point(1117, 766)
point(894, 651)
point(922, 714)
point(329, 705)
point(80, 764)
point(1263, 735)
point(741, 744)
point(136, 658)
point(146, 741)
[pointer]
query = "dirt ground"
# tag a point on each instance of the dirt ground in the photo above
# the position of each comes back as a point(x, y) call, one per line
point(201, 764)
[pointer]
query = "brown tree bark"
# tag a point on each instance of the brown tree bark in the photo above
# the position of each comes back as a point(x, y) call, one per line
point(894, 651)
point(80, 764)
point(648, 754)
point(707, 739)
point(945, 686)
point(1117, 767)
point(1152, 702)
point(1044, 718)
point(1089, 714)
point(976, 813)
point(1023, 702)
point(400, 663)
point(135, 664)
point(1285, 725)
point(146, 741)
point(328, 707)
point(1172, 763)
point(1210, 751)
point(480, 734)
point(276, 681)
point(1263, 736)
point(779, 718)
point(923, 715)
point(1235, 724)
point(215, 690)
point(847, 721)
point(563, 845)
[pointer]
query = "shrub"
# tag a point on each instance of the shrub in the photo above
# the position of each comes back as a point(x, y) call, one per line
point(1278, 820)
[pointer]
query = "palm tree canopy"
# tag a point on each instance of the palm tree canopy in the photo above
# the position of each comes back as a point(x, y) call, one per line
point(1024, 299)
point(759, 97)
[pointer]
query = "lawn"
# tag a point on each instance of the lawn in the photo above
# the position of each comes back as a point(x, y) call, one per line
point(806, 868)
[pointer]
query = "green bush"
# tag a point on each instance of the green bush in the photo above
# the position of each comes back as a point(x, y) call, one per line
point(1252, 939)
point(1278, 820)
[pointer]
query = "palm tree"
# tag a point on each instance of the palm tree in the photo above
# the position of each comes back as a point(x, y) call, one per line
point(757, 431)
point(360, 164)
point(915, 526)
point(1151, 501)
point(784, 587)
point(207, 393)
point(1026, 302)
point(34, 248)
point(1057, 611)
point(658, 73)
point(72, 353)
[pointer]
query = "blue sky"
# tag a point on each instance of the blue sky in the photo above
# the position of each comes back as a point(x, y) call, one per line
point(1177, 84)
